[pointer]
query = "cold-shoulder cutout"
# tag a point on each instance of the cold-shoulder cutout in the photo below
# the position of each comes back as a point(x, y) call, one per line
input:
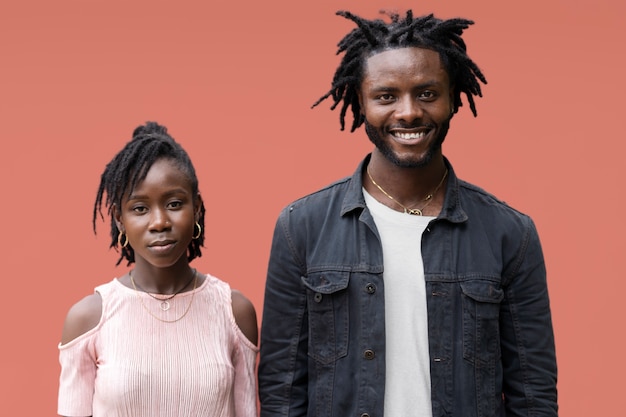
point(245, 316)
point(82, 317)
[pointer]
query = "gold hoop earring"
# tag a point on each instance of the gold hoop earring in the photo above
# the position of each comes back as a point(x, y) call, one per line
point(119, 239)
point(194, 237)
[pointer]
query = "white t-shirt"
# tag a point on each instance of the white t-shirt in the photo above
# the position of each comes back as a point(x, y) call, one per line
point(407, 379)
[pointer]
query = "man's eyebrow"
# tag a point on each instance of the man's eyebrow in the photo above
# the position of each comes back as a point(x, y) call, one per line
point(420, 86)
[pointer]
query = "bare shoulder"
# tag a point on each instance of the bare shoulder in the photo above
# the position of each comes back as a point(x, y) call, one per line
point(82, 317)
point(245, 316)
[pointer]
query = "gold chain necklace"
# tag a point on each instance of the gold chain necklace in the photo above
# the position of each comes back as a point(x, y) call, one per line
point(193, 293)
point(165, 305)
point(414, 211)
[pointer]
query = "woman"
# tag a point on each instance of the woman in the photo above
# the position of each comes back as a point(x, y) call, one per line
point(163, 339)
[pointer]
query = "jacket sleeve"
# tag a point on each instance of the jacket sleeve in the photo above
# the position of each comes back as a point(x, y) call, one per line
point(283, 364)
point(527, 338)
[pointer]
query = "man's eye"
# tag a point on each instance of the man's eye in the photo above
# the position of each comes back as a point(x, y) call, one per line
point(385, 97)
point(427, 95)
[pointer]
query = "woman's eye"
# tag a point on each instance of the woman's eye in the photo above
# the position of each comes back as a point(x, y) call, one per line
point(140, 209)
point(175, 204)
point(385, 97)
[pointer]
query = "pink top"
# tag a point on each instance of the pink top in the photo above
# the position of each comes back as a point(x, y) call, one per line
point(132, 364)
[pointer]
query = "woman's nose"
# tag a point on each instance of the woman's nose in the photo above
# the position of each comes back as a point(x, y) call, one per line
point(159, 220)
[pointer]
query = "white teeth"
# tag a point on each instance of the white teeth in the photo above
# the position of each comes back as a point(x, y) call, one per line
point(408, 135)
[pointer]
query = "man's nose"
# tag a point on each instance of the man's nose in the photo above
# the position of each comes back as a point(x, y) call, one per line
point(408, 109)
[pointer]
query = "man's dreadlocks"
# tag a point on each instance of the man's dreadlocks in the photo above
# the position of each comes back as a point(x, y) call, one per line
point(374, 36)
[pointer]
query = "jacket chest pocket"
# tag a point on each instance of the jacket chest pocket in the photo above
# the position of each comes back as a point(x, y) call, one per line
point(481, 328)
point(327, 304)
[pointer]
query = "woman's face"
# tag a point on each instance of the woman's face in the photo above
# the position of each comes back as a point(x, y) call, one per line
point(159, 215)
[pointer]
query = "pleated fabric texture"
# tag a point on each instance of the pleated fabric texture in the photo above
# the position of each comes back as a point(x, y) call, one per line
point(132, 364)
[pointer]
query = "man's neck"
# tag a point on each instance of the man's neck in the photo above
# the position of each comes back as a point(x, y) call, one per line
point(408, 185)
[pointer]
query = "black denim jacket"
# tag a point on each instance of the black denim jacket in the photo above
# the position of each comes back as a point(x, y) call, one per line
point(489, 322)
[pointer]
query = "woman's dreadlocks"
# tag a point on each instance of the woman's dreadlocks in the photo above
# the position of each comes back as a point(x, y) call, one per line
point(150, 143)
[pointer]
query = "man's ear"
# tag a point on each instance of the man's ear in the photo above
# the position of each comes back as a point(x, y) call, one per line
point(452, 89)
point(360, 97)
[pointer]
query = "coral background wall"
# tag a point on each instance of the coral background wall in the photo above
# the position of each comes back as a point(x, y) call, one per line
point(234, 81)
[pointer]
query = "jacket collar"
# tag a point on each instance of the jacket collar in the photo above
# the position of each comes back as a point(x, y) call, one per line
point(452, 208)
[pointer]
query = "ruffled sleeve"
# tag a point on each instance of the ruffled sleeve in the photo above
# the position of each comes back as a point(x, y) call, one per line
point(78, 374)
point(245, 390)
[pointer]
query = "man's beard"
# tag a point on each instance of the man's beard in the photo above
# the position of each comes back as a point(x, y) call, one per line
point(388, 152)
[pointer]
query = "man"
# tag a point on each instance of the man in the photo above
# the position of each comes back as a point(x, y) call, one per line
point(404, 291)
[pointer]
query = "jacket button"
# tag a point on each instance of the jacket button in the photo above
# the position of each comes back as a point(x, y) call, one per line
point(317, 297)
point(365, 415)
point(369, 354)
point(370, 288)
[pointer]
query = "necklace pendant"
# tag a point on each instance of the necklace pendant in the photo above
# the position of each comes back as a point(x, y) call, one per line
point(413, 211)
point(165, 305)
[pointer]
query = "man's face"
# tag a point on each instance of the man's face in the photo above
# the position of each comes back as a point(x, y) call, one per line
point(407, 102)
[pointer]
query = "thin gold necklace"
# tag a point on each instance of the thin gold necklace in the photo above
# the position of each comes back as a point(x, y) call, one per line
point(414, 211)
point(193, 293)
point(165, 305)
